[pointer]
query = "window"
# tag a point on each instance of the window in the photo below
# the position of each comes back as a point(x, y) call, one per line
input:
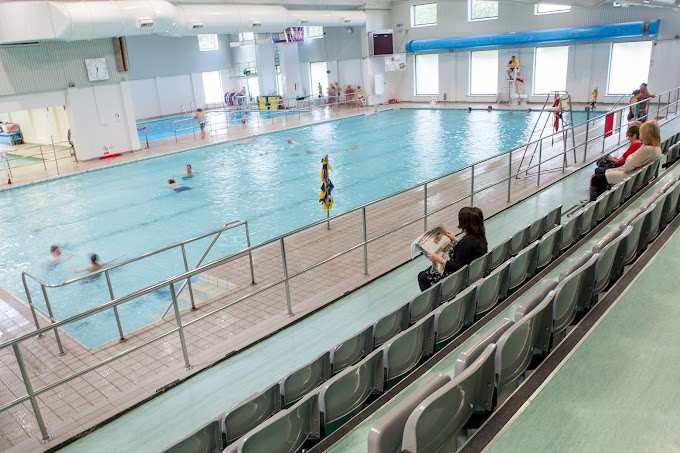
point(207, 43)
point(427, 75)
point(628, 66)
point(484, 73)
point(313, 32)
point(318, 74)
point(550, 69)
point(482, 9)
point(424, 15)
point(212, 87)
point(253, 87)
point(550, 8)
point(246, 36)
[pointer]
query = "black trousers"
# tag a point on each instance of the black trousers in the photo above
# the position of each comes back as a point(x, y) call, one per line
point(598, 185)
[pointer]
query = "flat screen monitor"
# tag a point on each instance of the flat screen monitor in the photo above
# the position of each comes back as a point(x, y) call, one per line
point(382, 44)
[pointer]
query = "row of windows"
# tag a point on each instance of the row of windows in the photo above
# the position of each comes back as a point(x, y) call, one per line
point(425, 15)
point(628, 67)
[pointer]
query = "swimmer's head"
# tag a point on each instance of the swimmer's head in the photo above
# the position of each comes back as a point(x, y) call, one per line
point(54, 250)
point(94, 258)
point(469, 109)
point(290, 141)
point(199, 110)
point(171, 181)
point(489, 108)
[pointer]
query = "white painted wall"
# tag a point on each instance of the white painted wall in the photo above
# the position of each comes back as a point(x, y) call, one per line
point(102, 120)
point(588, 63)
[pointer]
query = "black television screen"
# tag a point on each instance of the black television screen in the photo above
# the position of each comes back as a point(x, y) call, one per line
point(382, 44)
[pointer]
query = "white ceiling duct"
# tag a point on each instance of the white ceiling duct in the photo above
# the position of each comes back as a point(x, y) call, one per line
point(22, 21)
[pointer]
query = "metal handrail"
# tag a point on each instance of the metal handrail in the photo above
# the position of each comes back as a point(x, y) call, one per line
point(31, 393)
point(106, 271)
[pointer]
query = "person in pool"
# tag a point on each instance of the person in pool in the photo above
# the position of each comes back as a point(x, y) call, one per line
point(200, 117)
point(189, 171)
point(55, 254)
point(94, 265)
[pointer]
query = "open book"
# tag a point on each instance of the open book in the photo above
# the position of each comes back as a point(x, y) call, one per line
point(433, 241)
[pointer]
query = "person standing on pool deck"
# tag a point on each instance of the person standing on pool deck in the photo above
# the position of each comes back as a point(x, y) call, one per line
point(200, 117)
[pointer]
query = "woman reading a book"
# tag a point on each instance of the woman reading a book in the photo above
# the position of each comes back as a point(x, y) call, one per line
point(461, 252)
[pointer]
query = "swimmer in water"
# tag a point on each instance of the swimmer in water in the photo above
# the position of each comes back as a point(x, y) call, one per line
point(94, 266)
point(55, 253)
point(189, 171)
point(290, 141)
point(469, 109)
point(489, 108)
point(172, 184)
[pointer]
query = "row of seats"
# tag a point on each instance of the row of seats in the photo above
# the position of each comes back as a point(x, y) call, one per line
point(436, 316)
point(671, 148)
point(437, 416)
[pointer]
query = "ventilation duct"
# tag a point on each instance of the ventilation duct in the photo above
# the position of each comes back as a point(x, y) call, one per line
point(22, 21)
point(606, 32)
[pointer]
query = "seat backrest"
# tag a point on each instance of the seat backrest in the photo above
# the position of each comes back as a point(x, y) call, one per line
point(250, 413)
point(484, 400)
point(543, 319)
point(570, 231)
point(553, 218)
point(352, 350)
point(424, 303)
point(453, 284)
point(652, 170)
point(548, 247)
point(651, 230)
point(536, 230)
point(286, 431)
point(499, 255)
point(639, 179)
point(631, 243)
point(478, 269)
point(403, 352)
point(522, 266)
point(518, 241)
point(601, 206)
point(514, 349)
point(451, 317)
point(492, 289)
point(435, 424)
point(386, 434)
point(390, 325)
point(206, 440)
point(565, 303)
point(298, 383)
point(628, 187)
point(605, 264)
point(346, 392)
point(671, 206)
point(587, 219)
point(615, 198)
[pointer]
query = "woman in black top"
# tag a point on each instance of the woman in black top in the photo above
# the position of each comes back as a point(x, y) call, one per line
point(466, 250)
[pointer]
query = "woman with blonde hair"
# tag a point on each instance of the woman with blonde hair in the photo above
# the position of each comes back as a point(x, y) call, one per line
point(650, 135)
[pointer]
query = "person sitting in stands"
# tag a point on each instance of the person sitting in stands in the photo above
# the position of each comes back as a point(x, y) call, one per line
point(633, 136)
point(650, 134)
point(466, 250)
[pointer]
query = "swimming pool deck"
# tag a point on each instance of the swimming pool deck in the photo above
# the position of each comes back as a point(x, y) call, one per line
point(94, 397)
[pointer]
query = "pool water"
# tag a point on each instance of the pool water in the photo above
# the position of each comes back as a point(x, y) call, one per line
point(163, 128)
point(126, 210)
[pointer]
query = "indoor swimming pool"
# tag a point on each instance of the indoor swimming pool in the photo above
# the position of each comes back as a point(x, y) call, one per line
point(184, 125)
point(126, 210)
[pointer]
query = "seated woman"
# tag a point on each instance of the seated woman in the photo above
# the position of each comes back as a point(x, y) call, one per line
point(633, 136)
point(466, 250)
point(650, 134)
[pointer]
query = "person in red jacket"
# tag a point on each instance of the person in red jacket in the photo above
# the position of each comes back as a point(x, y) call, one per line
point(633, 136)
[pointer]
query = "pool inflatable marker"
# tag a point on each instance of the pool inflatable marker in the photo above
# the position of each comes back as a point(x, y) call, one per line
point(326, 197)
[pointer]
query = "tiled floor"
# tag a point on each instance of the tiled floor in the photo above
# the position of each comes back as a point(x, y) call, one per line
point(86, 400)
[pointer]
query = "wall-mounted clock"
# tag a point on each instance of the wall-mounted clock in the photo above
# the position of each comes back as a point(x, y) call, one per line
point(97, 69)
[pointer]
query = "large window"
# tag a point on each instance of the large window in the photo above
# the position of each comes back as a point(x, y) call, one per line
point(550, 69)
point(212, 87)
point(427, 75)
point(246, 36)
point(484, 73)
point(628, 66)
point(253, 87)
point(313, 32)
point(207, 43)
point(318, 74)
point(550, 8)
point(424, 15)
point(482, 9)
